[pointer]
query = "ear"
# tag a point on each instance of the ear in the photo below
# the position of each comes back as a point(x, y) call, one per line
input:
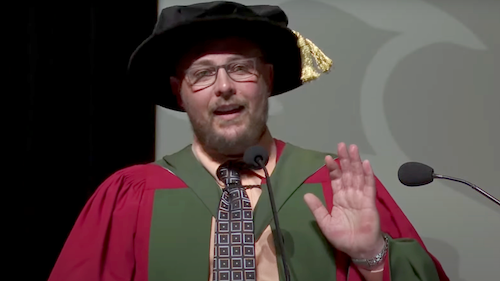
point(175, 86)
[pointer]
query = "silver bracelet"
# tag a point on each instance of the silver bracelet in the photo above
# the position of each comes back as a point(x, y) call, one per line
point(370, 264)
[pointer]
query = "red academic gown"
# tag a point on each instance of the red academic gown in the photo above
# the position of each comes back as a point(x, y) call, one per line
point(112, 239)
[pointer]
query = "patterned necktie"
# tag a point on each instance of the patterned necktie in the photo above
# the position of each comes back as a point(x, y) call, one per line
point(234, 257)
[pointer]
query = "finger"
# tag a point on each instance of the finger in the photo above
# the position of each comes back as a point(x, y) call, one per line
point(335, 173)
point(333, 168)
point(344, 164)
point(355, 159)
point(358, 174)
point(317, 208)
point(369, 175)
point(342, 151)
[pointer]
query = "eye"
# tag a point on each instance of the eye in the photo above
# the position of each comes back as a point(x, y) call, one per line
point(201, 73)
point(239, 67)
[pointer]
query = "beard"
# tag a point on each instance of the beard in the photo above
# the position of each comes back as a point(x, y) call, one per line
point(227, 141)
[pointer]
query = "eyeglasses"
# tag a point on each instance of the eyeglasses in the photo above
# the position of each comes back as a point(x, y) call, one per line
point(241, 70)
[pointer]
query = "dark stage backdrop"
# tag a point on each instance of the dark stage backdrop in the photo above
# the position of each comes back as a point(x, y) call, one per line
point(82, 120)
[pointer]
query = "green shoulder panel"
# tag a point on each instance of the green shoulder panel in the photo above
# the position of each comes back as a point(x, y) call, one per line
point(309, 254)
point(409, 261)
point(181, 222)
point(180, 237)
point(185, 166)
point(293, 168)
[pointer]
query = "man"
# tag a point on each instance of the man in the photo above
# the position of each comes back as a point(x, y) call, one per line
point(182, 218)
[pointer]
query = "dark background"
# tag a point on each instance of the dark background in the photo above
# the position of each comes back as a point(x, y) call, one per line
point(81, 119)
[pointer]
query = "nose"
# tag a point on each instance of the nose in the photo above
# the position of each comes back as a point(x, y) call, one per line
point(224, 85)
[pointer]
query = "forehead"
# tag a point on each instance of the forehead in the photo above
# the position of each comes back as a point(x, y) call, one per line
point(219, 51)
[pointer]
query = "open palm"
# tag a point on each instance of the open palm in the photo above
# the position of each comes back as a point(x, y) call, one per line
point(353, 225)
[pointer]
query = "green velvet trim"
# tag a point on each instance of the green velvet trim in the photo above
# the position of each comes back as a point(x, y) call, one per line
point(179, 237)
point(409, 261)
point(185, 166)
point(310, 256)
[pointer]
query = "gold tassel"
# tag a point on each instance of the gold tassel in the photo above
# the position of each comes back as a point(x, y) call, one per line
point(308, 52)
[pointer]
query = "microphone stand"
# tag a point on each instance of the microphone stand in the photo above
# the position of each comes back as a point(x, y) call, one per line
point(259, 160)
point(475, 187)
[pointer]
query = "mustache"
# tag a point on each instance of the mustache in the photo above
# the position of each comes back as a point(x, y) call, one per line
point(227, 103)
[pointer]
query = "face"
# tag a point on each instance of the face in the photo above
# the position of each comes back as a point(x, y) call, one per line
point(224, 87)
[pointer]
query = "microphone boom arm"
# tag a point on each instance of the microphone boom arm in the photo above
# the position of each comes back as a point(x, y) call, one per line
point(279, 234)
point(475, 187)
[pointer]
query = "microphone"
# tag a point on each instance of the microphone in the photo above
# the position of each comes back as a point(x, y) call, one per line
point(417, 174)
point(257, 157)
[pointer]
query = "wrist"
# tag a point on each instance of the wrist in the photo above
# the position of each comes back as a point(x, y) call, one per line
point(372, 251)
point(373, 259)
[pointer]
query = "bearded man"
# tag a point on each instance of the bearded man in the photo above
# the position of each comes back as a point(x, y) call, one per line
point(202, 213)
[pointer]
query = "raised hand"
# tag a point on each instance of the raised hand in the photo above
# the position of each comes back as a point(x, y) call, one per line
point(353, 225)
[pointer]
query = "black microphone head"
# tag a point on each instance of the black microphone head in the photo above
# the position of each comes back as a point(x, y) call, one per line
point(415, 174)
point(255, 153)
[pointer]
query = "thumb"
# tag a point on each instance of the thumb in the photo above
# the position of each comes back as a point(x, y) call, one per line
point(317, 208)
